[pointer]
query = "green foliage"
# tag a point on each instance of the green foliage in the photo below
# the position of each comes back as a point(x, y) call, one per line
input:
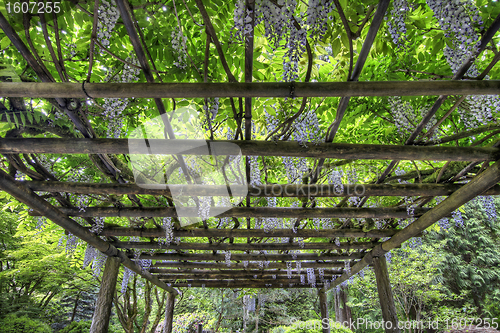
point(15, 324)
point(77, 327)
point(310, 326)
point(471, 264)
point(188, 323)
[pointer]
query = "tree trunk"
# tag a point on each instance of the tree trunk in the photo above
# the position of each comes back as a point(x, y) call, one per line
point(74, 308)
point(323, 305)
point(338, 308)
point(346, 310)
point(169, 313)
point(385, 295)
point(100, 320)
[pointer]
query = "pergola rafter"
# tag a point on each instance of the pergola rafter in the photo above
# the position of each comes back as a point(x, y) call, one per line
point(180, 263)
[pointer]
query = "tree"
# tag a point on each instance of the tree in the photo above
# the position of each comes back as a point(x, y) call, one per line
point(471, 263)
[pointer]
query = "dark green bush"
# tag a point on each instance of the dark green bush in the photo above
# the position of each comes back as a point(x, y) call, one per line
point(24, 324)
point(77, 327)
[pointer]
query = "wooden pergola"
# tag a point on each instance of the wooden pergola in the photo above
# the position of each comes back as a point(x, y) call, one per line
point(185, 265)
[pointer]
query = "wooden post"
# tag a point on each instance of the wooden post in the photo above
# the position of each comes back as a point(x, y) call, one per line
point(385, 295)
point(200, 328)
point(100, 320)
point(169, 313)
point(323, 305)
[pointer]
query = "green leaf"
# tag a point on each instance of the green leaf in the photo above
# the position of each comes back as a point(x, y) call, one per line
point(4, 42)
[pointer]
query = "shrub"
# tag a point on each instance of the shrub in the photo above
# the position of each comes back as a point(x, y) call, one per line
point(77, 327)
point(310, 326)
point(188, 323)
point(15, 324)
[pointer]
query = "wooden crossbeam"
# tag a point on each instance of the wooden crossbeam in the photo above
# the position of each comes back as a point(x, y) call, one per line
point(242, 266)
point(248, 148)
point(239, 212)
point(276, 190)
point(234, 272)
point(246, 246)
point(196, 277)
point(240, 284)
point(247, 257)
point(256, 89)
point(245, 233)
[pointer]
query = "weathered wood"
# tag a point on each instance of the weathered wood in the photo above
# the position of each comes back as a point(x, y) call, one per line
point(23, 194)
point(264, 272)
point(256, 283)
point(386, 298)
point(246, 246)
point(195, 277)
point(245, 233)
point(104, 303)
point(169, 313)
point(248, 148)
point(283, 279)
point(239, 212)
point(323, 305)
point(247, 256)
point(249, 266)
point(276, 190)
point(256, 89)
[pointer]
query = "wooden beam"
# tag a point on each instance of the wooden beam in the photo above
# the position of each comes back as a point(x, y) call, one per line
point(276, 190)
point(239, 212)
point(242, 266)
point(246, 246)
point(104, 303)
point(248, 148)
point(169, 313)
point(23, 194)
point(245, 233)
point(255, 89)
point(239, 284)
point(247, 256)
point(386, 298)
point(323, 305)
point(192, 277)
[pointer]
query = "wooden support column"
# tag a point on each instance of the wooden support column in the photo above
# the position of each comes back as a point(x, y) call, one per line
point(169, 313)
point(100, 320)
point(385, 295)
point(323, 305)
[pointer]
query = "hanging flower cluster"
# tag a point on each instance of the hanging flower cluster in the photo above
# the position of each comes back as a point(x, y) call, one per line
point(307, 129)
point(489, 207)
point(179, 46)
point(168, 226)
point(457, 216)
point(458, 20)
point(127, 273)
point(254, 171)
point(396, 21)
point(227, 257)
point(311, 277)
point(108, 15)
point(114, 107)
